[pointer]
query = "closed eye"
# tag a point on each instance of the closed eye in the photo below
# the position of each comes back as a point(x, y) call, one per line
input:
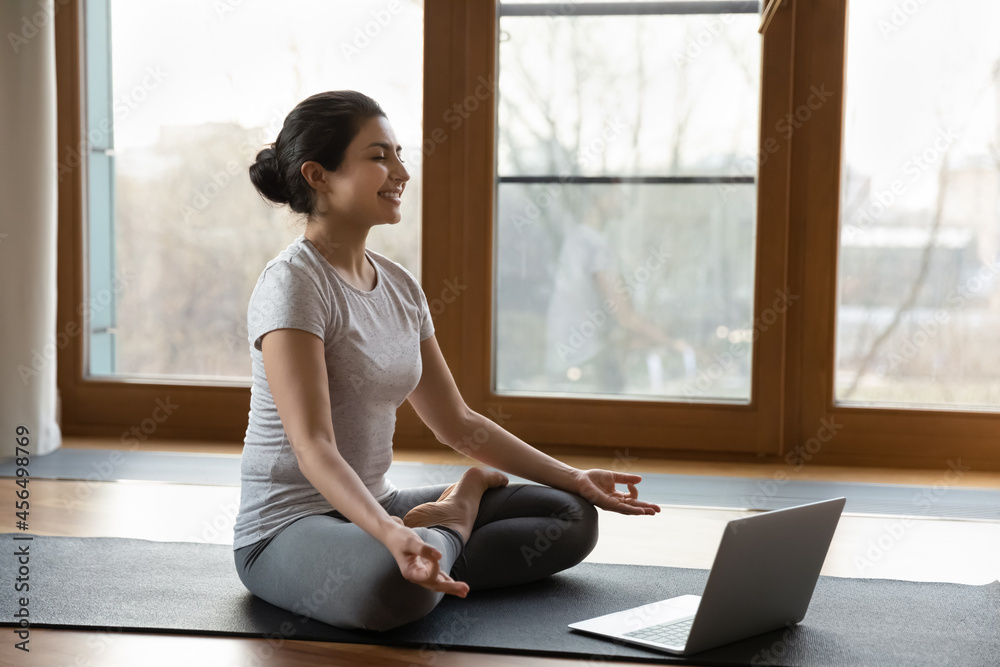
point(382, 157)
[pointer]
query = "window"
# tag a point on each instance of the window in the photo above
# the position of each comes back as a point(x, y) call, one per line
point(775, 167)
point(180, 97)
point(626, 201)
point(919, 299)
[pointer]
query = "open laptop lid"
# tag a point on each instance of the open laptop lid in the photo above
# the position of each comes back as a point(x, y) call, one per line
point(764, 573)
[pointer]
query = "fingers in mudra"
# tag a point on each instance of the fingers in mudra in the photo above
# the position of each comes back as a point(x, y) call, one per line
point(428, 574)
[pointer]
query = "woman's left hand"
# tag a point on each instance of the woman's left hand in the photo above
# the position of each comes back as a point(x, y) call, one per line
point(598, 487)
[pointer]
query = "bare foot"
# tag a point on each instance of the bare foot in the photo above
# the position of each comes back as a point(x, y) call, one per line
point(458, 506)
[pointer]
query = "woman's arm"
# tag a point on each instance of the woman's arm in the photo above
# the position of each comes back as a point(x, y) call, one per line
point(492, 444)
point(439, 404)
point(295, 366)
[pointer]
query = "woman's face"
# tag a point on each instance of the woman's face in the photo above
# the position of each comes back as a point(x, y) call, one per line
point(366, 187)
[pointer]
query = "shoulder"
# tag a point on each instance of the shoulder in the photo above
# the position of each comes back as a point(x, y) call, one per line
point(396, 272)
point(290, 278)
point(293, 267)
point(290, 294)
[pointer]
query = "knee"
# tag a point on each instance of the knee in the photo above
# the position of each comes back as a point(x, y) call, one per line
point(578, 517)
point(395, 601)
point(391, 614)
point(576, 508)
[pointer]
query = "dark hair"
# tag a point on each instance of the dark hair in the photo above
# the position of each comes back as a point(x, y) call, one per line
point(319, 128)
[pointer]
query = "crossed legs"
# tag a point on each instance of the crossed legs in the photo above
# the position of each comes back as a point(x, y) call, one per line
point(327, 568)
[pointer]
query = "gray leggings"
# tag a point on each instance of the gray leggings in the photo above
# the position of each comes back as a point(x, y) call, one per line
point(325, 567)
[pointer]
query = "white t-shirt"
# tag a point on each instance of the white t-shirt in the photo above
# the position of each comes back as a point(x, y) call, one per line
point(372, 342)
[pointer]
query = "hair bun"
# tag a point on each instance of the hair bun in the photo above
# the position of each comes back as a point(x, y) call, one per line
point(266, 175)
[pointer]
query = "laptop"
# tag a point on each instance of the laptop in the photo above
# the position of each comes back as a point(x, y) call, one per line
point(762, 579)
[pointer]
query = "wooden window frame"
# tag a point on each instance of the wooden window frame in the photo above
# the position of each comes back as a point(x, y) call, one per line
point(948, 440)
point(797, 216)
point(707, 430)
point(132, 410)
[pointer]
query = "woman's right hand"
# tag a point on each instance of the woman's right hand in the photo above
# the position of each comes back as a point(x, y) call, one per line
point(418, 561)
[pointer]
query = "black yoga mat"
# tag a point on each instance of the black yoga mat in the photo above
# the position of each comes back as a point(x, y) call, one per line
point(191, 588)
point(765, 493)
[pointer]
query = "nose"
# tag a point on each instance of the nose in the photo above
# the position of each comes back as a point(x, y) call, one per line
point(401, 172)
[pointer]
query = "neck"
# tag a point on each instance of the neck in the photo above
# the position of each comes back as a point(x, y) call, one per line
point(342, 246)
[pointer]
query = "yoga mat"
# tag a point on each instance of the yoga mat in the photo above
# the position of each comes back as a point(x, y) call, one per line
point(690, 490)
point(192, 588)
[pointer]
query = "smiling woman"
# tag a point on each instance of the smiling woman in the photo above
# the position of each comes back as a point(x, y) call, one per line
point(340, 336)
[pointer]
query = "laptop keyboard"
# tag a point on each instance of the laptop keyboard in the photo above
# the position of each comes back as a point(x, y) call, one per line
point(673, 633)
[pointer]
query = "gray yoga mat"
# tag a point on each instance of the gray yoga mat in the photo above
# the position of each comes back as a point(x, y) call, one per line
point(690, 490)
point(107, 583)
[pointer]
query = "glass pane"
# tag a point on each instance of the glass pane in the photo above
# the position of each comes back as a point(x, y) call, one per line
point(626, 205)
point(918, 306)
point(199, 87)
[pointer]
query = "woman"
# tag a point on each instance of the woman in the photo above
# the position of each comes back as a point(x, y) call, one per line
point(340, 336)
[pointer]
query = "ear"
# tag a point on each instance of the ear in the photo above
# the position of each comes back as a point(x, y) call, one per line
point(315, 175)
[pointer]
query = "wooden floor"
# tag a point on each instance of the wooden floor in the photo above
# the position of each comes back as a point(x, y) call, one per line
point(924, 549)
